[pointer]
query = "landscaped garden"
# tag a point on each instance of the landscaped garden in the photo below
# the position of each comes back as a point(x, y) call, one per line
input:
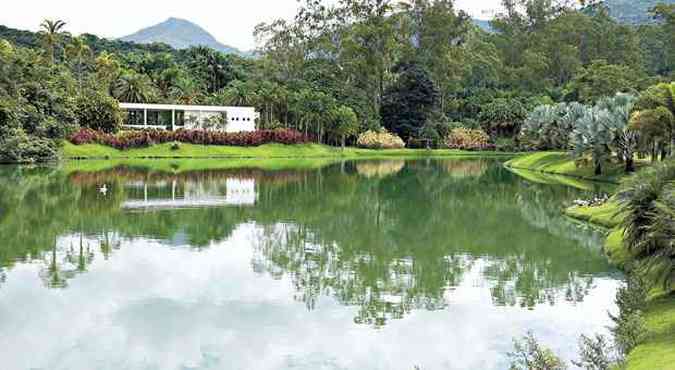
point(418, 190)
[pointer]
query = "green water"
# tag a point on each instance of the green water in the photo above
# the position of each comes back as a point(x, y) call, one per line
point(355, 265)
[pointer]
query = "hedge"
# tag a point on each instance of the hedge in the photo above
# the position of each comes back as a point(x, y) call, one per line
point(145, 138)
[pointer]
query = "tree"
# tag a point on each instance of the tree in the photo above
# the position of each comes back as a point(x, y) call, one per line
point(409, 102)
point(238, 93)
point(666, 13)
point(51, 33)
point(548, 126)
point(79, 53)
point(133, 87)
point(617, 119)
point(503, 116)
point(211, 67)
point(530, 355)
point(655, 119)
point(436, 37)
point(655, 127)
point(602, 79)
point(647, 202)
point(98, 110)
point(592, 136)
point(344, 123)
point(107, 69)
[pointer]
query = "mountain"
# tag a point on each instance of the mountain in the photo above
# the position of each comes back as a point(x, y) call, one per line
point(633, 11)
point(180, 34)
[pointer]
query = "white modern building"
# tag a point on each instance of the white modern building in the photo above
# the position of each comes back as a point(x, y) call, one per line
point(173, 117)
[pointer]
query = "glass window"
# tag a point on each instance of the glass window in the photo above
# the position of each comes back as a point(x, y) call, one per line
point(180, 118)
point(134, 117)
point(153, 117)
point(165, 118)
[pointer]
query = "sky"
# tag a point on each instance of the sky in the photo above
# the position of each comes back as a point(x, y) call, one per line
point(229, 21)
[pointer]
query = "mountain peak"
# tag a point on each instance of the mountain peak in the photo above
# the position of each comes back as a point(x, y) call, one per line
point(180, 34)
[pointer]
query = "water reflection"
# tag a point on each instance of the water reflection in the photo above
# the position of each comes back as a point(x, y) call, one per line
point(189, 194)
point(372, 243)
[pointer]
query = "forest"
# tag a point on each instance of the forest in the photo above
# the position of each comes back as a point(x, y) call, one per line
point(421, 70)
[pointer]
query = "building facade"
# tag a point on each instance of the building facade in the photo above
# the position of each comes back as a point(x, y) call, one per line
point(174, 117)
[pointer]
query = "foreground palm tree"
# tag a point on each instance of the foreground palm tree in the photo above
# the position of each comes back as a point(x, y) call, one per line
point(647, 201)
point(51, 32)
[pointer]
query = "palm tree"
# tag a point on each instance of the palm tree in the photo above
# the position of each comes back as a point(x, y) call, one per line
point(624, 140)
point(78, 52)
point(240, 93)
point(603, 130)
point(51, 32)
point(591, 136)
point(133, 87)
point(648, 203)
point(107, 69)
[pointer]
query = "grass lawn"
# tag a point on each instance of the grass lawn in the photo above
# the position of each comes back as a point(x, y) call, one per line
point(96, 151)
point(561, 163)
point(658, 351)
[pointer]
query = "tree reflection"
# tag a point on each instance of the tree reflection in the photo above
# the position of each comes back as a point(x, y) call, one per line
point(386, 237)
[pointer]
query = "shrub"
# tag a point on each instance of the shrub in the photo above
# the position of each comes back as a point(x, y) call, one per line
point(629, 329)
point(467, 139)
point(17, 146)
point(379, 140)
point(506, 144)
point(140, 139)
point(98, 111)
point(596, 353)
point(530, 355)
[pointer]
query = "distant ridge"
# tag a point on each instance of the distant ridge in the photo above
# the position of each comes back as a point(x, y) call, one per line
point(180, 34)
point(633, 11)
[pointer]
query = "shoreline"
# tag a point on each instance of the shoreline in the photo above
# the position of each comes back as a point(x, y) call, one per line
point(267, 151)
point(656, 352)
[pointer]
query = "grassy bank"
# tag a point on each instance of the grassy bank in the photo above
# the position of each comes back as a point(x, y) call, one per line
point(658, 350)
point(96, 151)
point(561, 163)
point(605, 215)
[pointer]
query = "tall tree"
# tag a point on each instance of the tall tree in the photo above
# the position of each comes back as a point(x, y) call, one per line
point(409, 102)
point(79, 53)
point(437, 33)
point(51, 32)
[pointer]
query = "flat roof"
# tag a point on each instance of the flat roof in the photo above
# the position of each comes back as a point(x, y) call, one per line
point(202, 108)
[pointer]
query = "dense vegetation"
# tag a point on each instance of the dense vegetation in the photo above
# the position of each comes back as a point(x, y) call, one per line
point(620, 127)
point(419, 70)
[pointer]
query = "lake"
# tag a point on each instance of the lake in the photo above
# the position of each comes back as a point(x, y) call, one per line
point(390, 264)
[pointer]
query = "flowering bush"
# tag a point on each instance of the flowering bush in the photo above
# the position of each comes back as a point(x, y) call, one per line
point(140, 139)
point(379, 140)
point(467, 139)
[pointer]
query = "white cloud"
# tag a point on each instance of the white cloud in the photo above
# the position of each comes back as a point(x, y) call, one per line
point(230, 21)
